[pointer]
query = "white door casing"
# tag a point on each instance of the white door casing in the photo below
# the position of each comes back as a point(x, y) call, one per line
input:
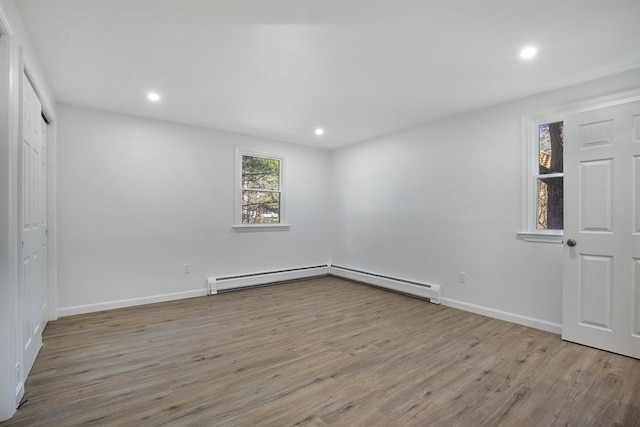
point(32, 205)
point(43, 226)
point(601, 283)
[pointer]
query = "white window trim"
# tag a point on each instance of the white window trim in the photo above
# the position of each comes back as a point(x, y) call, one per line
point(531, 233)
point(237, 199)
point(530, 124)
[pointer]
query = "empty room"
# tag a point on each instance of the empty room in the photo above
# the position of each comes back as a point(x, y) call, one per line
point(319, 212)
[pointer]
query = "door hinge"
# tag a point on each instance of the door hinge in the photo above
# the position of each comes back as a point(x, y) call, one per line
point(23, 244)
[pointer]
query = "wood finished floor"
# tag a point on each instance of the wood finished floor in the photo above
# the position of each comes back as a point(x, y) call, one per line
point(319, 352)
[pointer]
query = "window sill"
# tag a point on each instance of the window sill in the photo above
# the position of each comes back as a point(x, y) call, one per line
point(551, 237)
point(244, 228)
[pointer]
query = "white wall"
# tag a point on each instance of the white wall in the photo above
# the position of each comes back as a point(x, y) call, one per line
point(435, 200)
point(138, 198)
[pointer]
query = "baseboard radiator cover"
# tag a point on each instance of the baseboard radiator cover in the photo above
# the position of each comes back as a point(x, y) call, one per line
point(230, 283)
point(409, 287)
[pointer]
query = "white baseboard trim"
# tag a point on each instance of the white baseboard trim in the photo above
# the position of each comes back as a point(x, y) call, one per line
point(130, 302)
point(544, 325)
point(19, 393)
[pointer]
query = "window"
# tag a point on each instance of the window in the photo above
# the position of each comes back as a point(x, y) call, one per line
point(544, 207)
point(550, 177)
point(259, 189)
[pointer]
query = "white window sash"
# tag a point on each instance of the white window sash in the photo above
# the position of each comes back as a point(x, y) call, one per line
point(238, 189)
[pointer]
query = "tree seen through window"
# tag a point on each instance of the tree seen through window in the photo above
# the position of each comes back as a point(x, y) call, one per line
point(261, 192)
point(550, 180)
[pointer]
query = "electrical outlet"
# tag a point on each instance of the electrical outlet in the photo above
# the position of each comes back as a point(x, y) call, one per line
point(462, 277)
point(187, 269)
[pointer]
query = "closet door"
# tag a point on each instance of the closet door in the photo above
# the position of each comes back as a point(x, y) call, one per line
point(33, 184)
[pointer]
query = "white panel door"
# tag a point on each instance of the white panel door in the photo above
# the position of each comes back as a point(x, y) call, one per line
point(33, 183)
point(601, 289)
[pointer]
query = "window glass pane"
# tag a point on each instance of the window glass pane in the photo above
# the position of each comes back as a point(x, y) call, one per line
point(260, 173)
point(260, 207)
point(550, 137)
point(550, 204)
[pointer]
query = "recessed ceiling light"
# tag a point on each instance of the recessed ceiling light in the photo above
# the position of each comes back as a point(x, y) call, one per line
point(528, 52)
point(153, 96)
point(319, 131)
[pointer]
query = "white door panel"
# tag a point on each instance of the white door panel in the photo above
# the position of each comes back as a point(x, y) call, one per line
point(596, 196)
point(634, 301)
point(601, 290)
point(33, 184)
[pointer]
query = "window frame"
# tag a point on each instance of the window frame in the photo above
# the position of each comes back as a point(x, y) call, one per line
point(531, 174)
point(237, 212)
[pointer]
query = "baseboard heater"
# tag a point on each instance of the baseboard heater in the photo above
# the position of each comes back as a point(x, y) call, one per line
point(229, 283)
point(409, 287)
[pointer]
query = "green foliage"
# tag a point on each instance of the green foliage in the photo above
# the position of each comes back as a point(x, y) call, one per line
point(260, 173)
point(260, 206)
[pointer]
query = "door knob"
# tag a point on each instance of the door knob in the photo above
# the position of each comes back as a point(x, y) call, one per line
point(571, 243)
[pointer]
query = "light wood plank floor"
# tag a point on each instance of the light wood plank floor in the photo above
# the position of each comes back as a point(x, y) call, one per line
point(319, 352)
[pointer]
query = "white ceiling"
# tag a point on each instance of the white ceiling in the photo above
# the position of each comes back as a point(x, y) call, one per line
point(358, 68)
